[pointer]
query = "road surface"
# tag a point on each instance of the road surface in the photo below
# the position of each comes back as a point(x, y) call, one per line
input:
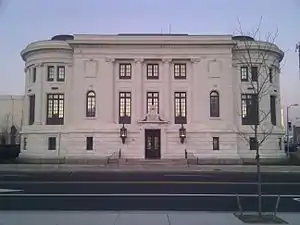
point(186, 191)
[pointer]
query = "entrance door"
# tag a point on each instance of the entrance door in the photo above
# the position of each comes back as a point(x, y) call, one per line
point(152, 144)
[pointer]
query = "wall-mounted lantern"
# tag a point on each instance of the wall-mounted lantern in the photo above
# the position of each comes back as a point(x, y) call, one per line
point(123, 133)
point(182, 134)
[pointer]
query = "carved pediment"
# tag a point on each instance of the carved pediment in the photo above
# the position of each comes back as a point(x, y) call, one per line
point(153, 116)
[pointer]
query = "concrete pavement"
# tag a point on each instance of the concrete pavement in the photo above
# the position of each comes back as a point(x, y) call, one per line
point(127, 218)
point(127, 168)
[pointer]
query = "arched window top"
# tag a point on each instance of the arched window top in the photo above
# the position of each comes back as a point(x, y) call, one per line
point(90, 104)
point(214, 104)
point(214, 93)
point(91, 94)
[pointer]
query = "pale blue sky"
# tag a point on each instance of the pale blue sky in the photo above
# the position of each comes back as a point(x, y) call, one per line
point(23, 21)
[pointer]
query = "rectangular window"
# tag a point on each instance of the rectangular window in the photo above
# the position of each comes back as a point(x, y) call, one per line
point(273, 109)
point(254, 73)
point(180, 71)
point(61, 73)
point(51, 143)
point(125, 107)
point(152, 71)
point(152, 100)
point(216, 144)
point(125, 71)
point(33, 75)
point(25, 143)
point(253, 143)
point(271, 75)
point(244, 73)
point(180, 107)
point(249, 109)
point(55, 109)
point(280, 143)
point(89, 143)
point(51, 73)
point(31, 109)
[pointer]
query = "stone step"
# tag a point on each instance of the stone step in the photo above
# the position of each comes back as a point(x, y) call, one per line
point(153, 162)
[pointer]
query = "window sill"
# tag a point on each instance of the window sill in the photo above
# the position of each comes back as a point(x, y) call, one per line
point(90, 118)
point(55, 82)
point(215, 118)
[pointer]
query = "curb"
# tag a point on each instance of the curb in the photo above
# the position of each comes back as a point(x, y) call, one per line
point(133, 170)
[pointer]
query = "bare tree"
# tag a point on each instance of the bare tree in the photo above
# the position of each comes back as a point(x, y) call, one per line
point(4, 129)
point(8, 130)
point(258, 60)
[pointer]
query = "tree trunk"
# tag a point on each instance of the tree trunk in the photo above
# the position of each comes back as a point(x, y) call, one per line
point(258, 172)
point(259, 184)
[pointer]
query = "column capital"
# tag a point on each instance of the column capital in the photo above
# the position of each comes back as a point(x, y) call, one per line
point(138, 60)
point(234, 65)
point(166, 60)
point(110, 60)
point(195, 60)
point(40, 65)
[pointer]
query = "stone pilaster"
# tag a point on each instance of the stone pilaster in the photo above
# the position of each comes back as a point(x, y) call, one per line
point(194, 85)
point(39, 89)
point(69, 79)
point(111, 108)
point(139, 88)
point(167, 95)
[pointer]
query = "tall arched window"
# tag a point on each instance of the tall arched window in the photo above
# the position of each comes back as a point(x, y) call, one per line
point(214, 104)
point(91, 104)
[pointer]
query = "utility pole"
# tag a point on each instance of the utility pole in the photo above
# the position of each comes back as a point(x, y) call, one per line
point(170, 28)
point(298, 49)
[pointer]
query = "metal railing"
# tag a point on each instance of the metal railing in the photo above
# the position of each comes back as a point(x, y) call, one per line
point(278, 197)
point(114, 157)
point(190, 158)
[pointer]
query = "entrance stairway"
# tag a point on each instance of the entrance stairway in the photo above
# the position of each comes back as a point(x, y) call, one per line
point(153, 163)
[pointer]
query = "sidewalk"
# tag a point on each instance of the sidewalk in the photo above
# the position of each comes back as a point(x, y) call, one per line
point(147, 168)
point(126, 218)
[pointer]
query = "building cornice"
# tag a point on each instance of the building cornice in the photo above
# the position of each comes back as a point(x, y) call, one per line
point(259, 46)
point(42, 46)
point(170, 41)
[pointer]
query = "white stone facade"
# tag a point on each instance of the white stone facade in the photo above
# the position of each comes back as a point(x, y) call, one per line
point(92, 63)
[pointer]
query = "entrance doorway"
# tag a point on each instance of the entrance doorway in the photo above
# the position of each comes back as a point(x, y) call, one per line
point(152, 144)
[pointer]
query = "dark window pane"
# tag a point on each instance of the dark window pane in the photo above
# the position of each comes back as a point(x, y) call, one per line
point(180, 108)
point(254, 73)
point(249, 109)
point(125, 71)
point(253, 143)
point(244, 73)
point(52, 143)
point(152, 99)
point(89, 143)
point(271, 75)
point(216, 145)
point(273, 109)
point(91, 104)
point(152, 71)
point(214, 104)
point(31, 109)
point(55, 109)
point(180, 71)
point(34, 75)
point(61, 73)
point(125, 107)
point(51, 73)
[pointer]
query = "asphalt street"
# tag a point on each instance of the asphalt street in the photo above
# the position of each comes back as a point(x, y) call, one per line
point(209, 191)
